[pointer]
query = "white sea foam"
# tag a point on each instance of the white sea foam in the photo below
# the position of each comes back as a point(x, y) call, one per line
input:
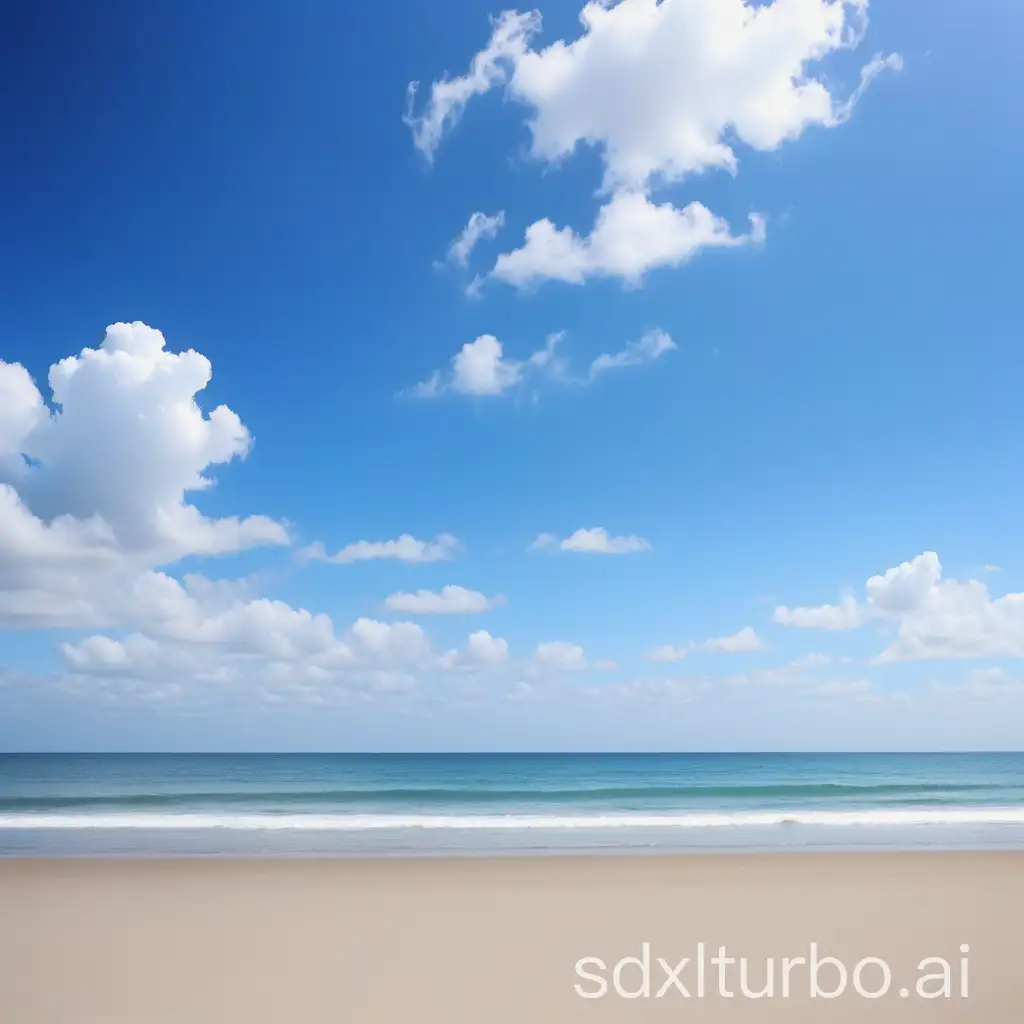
point(975, 816)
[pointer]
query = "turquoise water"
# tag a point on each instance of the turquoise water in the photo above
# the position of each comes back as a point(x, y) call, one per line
point(380, 805)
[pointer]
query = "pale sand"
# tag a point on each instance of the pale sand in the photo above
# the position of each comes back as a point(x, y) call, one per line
point(490, 941)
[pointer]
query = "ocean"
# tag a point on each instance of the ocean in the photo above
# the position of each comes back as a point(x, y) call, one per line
point(484, 804)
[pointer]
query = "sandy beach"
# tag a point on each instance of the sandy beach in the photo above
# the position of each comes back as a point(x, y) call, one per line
point(499, 940)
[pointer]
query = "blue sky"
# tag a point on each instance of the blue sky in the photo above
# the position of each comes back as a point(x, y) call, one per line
point(794, 403)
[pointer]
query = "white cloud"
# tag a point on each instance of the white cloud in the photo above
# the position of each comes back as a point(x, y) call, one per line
point(489, 67)
point(486, 649)
point(206, 632)
point(955, 619)
point(740, 642)
point(743, 641)
point(664, 89)
point(481, 368)
point(645, 349)
point(667, 653)
point(906, 586)
point(984, 684)
point(197, 629)
point(543, 541)
point(482, 651)
point(177, 629)
point(559, 656)
point(546, 358)
point(429, 387)
point(631, 236)
point(868, 73)
point(92, 492)
point(169, 610)
point(796, 673)
point(450, 600)
point(593, 541)
point(21, 410)
point(597, 541)
point(405, 548)
point(934, 617)
point(478, 368)
point(834, 617)
point(136, 654)
point(480, 226)
point(387, 643)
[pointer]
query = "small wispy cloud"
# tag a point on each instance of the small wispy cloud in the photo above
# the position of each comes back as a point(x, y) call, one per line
point(743, 641)
point(646, 349)
point(479, 227)
point(593, 541)
point(481, 368)
point(450, 600)
point(405, 548)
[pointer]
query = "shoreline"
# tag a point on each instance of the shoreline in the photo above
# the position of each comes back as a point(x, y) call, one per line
point(515, 855)
point(496, 939)
point(440, 843)
point(8, 864)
